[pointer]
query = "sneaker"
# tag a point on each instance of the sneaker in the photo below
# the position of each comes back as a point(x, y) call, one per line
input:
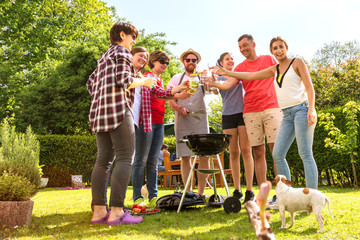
point(238, 194)
point(272, 201)
point(126, 219)
point(152, 203)
point(249, 196)
point(140, 201)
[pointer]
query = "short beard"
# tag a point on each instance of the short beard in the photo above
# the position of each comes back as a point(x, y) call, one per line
point(188, 68)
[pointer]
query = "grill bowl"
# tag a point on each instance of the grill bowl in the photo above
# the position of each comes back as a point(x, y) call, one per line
point(207, 144)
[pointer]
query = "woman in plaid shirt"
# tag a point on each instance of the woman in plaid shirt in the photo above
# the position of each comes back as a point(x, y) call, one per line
point(111, 87)
point(149, 129)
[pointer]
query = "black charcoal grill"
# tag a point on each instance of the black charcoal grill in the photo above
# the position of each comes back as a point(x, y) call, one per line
point(210, 145)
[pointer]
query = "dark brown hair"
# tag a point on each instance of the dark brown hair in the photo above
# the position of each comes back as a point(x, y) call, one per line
point(157, 56)
point(138, 49)
point(119, 27)
point(222, 57)
point(277, 39)
point(248, 36)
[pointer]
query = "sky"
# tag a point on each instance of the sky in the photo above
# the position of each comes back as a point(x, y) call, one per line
point(212, 27)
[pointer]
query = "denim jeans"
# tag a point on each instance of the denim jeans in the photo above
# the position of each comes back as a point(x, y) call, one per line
point(295, 125)
point(147, 150)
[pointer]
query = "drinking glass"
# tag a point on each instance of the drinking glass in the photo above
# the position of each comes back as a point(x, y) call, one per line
point(152, 75)
point(194, 83)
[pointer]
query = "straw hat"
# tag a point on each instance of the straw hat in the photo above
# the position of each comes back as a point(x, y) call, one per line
point(184, 54)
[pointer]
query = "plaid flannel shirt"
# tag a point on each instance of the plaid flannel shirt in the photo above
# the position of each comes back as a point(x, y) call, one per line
point(108, 87)
point(145, 111)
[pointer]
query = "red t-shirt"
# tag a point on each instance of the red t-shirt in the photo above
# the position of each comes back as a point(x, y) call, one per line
point(259, 94)
point(157, 106)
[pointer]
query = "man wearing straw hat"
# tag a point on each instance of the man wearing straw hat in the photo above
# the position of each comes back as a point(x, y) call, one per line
point(190, 118)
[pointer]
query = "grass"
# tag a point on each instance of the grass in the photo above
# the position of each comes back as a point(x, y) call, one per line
point(65, 214)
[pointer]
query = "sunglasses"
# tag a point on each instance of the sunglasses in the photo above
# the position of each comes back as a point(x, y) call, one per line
point(134, 36)
point(193, 60)
point(164, 62)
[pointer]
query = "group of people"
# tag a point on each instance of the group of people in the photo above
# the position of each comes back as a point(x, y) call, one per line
point(128, 106)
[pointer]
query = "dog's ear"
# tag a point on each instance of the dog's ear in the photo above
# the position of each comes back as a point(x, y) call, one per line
point(276, 180)
point(288, 182)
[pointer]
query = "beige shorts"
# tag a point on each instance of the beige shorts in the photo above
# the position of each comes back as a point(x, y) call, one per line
point(259, 124)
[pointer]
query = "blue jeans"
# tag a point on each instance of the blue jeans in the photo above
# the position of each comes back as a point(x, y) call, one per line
point(295, 125)
point(147, 150)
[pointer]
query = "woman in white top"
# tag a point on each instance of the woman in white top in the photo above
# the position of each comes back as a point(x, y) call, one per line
point(296, 97)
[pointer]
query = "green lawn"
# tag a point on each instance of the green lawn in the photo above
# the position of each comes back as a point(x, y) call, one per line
point(65, 214)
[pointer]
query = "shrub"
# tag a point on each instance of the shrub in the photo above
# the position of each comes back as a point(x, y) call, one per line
point(14, 187)
point(59, 176)
point(76, 154)
point(20, 152)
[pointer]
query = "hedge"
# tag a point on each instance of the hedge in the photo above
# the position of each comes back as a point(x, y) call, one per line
point(63, 156)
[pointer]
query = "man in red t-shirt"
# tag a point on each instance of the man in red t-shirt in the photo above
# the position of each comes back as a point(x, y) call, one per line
point(262, 114)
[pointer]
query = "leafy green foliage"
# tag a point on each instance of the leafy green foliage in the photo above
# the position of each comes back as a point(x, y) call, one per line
point(336, 54)
point(343, 143)
point(67, 155)
point(335, 86)
point(14, 187)
point(171, 142)
point(60, 102)
point(34, 39)
point(20, 152)
point(215, 110)
point(59, 176)
point(51, 94)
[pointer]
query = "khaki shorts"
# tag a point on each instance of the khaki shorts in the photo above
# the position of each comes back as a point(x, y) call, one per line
point(259, 124)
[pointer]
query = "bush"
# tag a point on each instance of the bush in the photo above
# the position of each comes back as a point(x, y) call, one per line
point(20, 152)
point(59, 176)
point(14, 187)
point(76, 154)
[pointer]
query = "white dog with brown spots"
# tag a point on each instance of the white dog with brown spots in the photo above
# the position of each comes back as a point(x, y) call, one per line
point(299, 199)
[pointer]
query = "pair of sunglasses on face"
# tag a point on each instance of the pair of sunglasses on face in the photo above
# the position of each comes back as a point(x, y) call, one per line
point(193, 60)
point(164, 62)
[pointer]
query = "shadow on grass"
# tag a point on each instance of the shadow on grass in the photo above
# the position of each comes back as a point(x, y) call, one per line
point(294, 229)
point(193, 223)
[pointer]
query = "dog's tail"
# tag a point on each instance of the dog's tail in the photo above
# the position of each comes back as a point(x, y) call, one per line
point(328, 204)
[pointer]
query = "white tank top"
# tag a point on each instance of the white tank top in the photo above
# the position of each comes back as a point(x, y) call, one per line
point(290, 90)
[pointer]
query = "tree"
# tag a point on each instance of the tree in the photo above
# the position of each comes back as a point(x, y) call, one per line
point(335, 87)
point(49, 53)
point(343, 143)
point(59, 103)
point(215, 110)
point(336, 54)
point(36, 33)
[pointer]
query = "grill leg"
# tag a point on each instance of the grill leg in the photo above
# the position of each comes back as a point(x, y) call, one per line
point(223, 175)
point(187, 183)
